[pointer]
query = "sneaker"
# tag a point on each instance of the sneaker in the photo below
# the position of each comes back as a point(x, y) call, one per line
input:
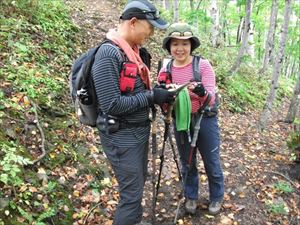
point(190, 206)
point(214, 207)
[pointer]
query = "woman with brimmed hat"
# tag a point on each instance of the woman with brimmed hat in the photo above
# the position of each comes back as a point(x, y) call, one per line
point(180, 42)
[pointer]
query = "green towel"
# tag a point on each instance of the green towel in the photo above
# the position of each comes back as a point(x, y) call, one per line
point(183, 109)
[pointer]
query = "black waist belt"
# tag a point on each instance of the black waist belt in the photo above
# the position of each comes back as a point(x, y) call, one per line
point(210, 113)
point(125, 124)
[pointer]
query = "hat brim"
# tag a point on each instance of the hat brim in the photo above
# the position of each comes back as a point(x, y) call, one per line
point(194, 41)
point(159, 23)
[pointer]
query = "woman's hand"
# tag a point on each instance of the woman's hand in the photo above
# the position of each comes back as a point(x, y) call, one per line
point(198, 89)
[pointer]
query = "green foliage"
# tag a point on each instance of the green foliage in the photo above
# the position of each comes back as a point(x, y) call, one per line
point(47, 214)
point(283, 187)
point(36, 44)
point(245, 90)
point(11, 165)
point(277, 208)
point(285, 88)
point(26, 39)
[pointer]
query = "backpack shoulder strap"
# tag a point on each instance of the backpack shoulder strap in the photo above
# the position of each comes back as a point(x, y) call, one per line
point(145, 56)
point(195, 65)
point(196, 70)
point(112, 44)
point(169, 66)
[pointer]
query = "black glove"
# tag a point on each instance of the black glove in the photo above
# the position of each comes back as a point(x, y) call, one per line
point(199, 90)
point(159, 96)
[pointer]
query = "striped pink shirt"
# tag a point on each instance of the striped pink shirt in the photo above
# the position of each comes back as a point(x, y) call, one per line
point(181, 75)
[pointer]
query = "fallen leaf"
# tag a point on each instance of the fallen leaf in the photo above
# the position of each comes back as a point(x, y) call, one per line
point(203, 178)
point(33, 189)
point(76, 193)
point(180, 222)
point(209, 216)
point(227, 165)
point(112, 202)
point(226, 220)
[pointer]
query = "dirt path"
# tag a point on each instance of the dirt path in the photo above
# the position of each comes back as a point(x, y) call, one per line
point(253, 163)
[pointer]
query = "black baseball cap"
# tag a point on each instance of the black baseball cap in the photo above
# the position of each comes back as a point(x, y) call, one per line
point(142, 9)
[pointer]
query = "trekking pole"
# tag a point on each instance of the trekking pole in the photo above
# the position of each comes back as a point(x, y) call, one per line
point(154, 149)
point(174, 155)
point(192, 149)
point(162, 156)
point(168, 119)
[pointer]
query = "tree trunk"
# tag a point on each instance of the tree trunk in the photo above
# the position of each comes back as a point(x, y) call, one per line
point(269, 44)
point(259, 51)
point(192, 5)
point(244, 39)
point(168, 5)
point(276, 70)
point(250, 47)
point(295, 102)
point(215, 23)
point(240, 30)
point(176, 11)
point(285, 68)
point(224, 28)
point(198, 6)
point(294, 68)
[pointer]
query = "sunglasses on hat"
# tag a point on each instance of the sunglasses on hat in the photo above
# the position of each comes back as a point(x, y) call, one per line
point(149, 15)
point(181, 34)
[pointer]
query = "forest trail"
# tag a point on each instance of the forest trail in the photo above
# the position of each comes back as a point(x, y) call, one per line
point(253, 162)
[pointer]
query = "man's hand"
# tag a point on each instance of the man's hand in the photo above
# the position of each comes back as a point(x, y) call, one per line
point(160, 96)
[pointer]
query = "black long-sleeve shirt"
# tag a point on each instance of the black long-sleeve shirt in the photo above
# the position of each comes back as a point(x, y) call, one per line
point(132, 107)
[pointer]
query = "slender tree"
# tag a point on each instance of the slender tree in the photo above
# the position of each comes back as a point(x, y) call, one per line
point(215, 29)
point(242, 50)
point(192, 5)
point(295, 102)
point(224, 28)
point(176, 11)
point(250, 47)
point(269, 44)
point(240, 29)
point(168, 5)
point(276, 69)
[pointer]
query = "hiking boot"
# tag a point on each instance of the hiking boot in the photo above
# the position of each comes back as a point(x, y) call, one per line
point(214, 207)
point(190, 206)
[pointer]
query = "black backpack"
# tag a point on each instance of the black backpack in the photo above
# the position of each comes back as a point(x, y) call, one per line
point(197, 77)
point(82, 87)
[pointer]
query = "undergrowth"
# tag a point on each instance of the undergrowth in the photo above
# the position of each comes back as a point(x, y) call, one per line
point(37, 42)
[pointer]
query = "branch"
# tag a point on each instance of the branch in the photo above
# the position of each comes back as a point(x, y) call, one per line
point(288, 179)
point(198, 5)
point(41, 132)
point(90, 211)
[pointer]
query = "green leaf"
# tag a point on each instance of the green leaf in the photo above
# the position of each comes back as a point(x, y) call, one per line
point(21, 47)
point(25, 214)
point(4, 178)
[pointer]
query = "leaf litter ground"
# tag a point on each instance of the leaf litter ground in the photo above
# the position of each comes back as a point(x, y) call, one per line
point(253, 163)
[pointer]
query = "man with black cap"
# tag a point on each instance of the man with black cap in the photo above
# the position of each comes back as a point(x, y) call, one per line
point(125, 102)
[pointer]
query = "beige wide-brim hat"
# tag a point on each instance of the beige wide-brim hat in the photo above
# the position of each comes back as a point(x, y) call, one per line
point(180, 31)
